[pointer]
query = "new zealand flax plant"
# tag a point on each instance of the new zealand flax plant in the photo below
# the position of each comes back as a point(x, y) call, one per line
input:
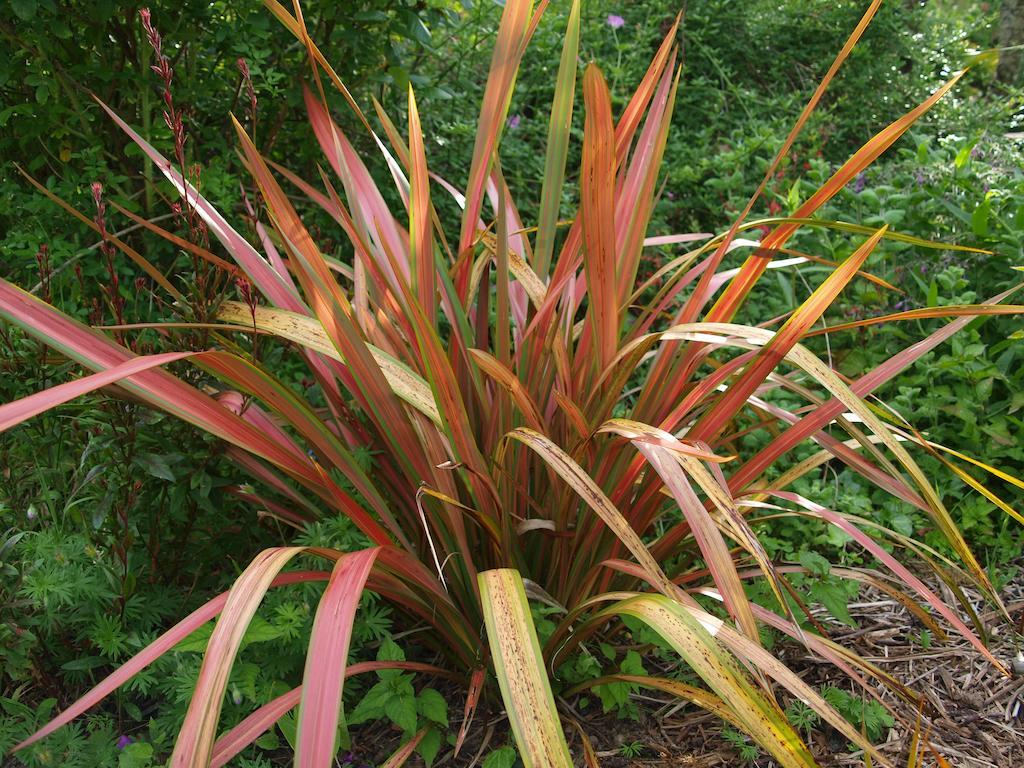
point(543, 424)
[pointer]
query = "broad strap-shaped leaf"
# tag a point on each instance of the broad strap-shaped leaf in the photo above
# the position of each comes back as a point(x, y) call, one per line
point(597, 211)
point(519, 668)
point(263, 275)
point(693, 641)
point(401, 755)
point(844, 659)
point(766, 662)
point(309, 333)
point(371, 216)
point(747, 337)
point(630, 118)
point(476, 686)
point(296, 25)
point(19, 410)
point(675, 279)
point(979, 487)
point(699, 696)
point(923, 313)
point(421, 239)
point(194, 746)
point(326, 660)
point(253, 726)
point(250, 379)
point(158, 388)
point(334, 312)
point(769, 356)
point(511, 383)
point(892, 564)
point(260, 721)
point(588, 490)
point(558, 145)
point(589, 753)
point(739, 288)
point(154, 651)
point(728, 304)
point(513, 34)
point(700, 295)
point(862, 387)
point(635, 201)
point(706, 533)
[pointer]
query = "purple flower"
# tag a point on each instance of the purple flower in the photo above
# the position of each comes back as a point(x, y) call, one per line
point(123, 741)
point(860, 182)
point(919, 178)
point(513, 122)
point(615, 21)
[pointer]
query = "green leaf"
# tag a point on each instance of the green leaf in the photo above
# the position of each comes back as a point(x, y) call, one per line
point(260, 631)
point(633, 664)
point(894, 216)
point(136, 755)
point(416, 29)
point(156, 465)
point(793, 196)
point(370, 16)
point(429, 746)
point(815, 564)
point(612, 695)
point(371, 706)
point(432, 706)
point(869, 196)
point(268, 740)
point(83, 664)
point(24, 9)
point(402, 712)
point(196, 642)
point(980, 217)
point(390, 651)
point(288, 726)
point(501, 758)
point(963, 156)
point(832, 595)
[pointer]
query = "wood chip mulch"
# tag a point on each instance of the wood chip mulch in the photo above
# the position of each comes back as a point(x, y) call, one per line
point(973, 715)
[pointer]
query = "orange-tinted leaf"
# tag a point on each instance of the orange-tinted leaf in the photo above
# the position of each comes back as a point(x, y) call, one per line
point(597, 209)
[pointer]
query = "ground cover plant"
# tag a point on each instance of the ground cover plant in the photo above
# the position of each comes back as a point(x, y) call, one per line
point(539, 423)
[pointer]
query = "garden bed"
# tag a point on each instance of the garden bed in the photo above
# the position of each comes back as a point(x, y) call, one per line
point(973, 716)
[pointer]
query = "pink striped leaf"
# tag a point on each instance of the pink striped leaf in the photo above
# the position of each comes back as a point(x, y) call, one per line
point(152, 652)
point(326, 660)
point(256, 724)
